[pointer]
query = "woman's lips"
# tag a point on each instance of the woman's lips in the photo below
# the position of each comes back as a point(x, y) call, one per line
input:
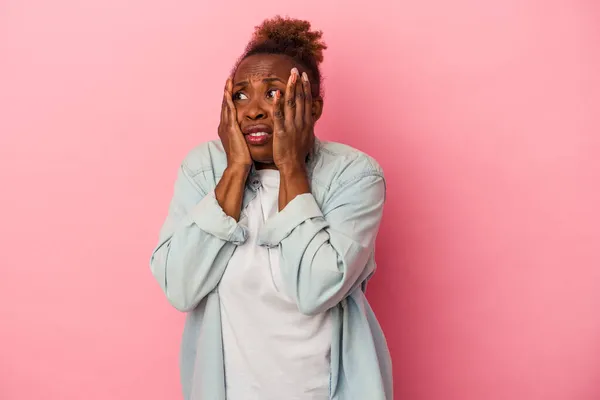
point(257, 138)
point(258, 134)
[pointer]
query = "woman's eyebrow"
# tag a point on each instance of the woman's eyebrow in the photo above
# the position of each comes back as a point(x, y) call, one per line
point(265, 80)
point(274, 79)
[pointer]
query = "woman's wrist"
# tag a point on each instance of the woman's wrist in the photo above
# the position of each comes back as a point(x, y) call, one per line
point(294, 182)
point(230, 189)
point(292, 170)
point(237, 170)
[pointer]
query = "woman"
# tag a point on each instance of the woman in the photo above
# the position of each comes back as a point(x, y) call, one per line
point(269, 241)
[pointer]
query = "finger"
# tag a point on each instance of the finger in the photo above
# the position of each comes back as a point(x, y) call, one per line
point(229, 106)
point(225, 93)
point(229, 99)
point(290, 95)
point(308, 116)
point(224, 108)
point(278, 116)
point(300, 106)
point(228, 90)
point(232, 116)
point(224, 104)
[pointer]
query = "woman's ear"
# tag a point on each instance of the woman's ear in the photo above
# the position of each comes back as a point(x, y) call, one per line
point(317, 108)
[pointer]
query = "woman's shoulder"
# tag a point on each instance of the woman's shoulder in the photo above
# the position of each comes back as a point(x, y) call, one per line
point(205, 156)
point(348, 158)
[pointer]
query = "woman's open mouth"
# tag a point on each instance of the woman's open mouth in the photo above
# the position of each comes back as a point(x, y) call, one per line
point(258, 134)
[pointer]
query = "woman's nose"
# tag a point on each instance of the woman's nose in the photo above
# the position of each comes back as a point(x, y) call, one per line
point(256, 111)
point(253, 116)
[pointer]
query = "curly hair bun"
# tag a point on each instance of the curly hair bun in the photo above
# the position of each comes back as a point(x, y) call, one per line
point(292, 36)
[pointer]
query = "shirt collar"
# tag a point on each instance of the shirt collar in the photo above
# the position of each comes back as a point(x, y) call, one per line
point(254, 182)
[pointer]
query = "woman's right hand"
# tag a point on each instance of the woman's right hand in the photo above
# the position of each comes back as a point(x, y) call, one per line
point(238, 154)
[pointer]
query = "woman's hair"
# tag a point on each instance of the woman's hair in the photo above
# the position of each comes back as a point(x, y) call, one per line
point(293, 38)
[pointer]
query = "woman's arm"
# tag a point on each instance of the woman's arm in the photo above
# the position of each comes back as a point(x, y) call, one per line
point(293, 182)
point(325, 256)
point(230, 190)
point(197, 238)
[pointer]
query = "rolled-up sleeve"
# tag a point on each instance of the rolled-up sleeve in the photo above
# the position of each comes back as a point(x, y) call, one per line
point(210, 217)
point(195, 244)
point(326, 254)
point(302, 208)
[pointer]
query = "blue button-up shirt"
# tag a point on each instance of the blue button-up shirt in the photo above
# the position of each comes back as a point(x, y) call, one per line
point(326, 241)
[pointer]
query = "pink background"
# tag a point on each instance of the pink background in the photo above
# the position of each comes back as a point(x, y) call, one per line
point(485, 117)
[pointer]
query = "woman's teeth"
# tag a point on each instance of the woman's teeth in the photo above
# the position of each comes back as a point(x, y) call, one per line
point(258, 134)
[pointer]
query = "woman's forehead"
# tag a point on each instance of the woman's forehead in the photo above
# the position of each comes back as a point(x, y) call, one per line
point(264, 65)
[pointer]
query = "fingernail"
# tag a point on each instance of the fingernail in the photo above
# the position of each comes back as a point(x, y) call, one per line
point(295, 71)
point(304, 77)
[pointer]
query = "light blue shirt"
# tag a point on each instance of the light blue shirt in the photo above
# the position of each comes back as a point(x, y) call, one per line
point(326, 241)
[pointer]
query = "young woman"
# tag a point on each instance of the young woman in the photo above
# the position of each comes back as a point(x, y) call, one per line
point(269, 241)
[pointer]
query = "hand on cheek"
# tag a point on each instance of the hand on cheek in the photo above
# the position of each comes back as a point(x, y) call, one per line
point(293, 135)
point(238, 154)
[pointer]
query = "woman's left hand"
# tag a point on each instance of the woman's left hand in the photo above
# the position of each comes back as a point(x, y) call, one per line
point(293, 134)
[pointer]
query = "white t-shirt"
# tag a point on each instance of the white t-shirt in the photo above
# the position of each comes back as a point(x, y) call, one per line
point(271, 350)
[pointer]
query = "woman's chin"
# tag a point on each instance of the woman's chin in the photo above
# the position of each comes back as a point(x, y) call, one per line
point(264, 163)
point(261, 157)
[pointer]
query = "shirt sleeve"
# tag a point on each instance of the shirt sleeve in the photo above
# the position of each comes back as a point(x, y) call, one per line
point(210, 217)
point(324, 256)
point(195, 244)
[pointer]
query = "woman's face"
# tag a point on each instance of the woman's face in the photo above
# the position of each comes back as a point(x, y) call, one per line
point(255, 82)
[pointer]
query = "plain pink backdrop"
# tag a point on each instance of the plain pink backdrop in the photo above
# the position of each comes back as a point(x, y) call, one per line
point(484, 114)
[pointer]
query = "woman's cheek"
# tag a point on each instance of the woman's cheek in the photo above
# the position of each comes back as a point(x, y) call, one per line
point(239, 113)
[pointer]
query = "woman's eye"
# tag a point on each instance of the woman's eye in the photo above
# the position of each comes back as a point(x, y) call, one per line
point(240, 96)
point(271, 93)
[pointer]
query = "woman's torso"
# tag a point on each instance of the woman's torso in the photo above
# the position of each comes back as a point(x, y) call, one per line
point(269, 347)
